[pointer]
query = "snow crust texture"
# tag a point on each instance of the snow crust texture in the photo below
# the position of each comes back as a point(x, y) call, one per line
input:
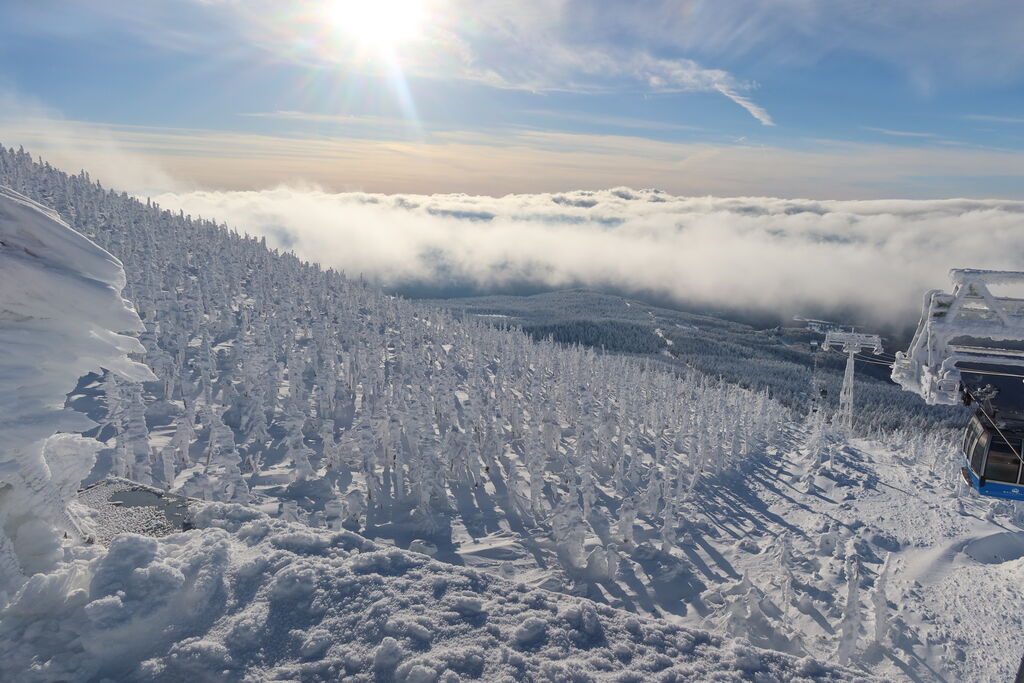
point(248, 597)
point(117, 506)
point(60, 316)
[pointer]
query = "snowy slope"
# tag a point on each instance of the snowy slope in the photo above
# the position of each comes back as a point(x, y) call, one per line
point(248, 597)
point(936, 569)
point(671, 496)
point(768, 557)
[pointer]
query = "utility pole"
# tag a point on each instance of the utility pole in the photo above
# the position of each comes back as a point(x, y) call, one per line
point(851, 343)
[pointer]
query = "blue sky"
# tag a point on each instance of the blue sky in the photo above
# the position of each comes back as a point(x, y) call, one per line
point(802, 98)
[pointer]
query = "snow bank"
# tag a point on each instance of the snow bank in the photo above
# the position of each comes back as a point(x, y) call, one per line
point(247, 597)
point(60, 313)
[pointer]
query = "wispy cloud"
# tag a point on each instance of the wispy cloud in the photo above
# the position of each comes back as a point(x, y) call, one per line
point(73, 145)
point(536, 53)
point(653, 46)
point(609, 121)
point(899, 133)
point(754, 110)
point(535, 46)
point(935, 43)
point(508, 160)
point(995, 119)
point(288, 115)
point(300, 123)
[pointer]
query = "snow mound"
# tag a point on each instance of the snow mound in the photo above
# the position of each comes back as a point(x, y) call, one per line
point(60, 314)
point(255, 598)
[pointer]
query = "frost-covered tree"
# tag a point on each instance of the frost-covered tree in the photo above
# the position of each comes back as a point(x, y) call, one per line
point(849, 629)
point(136, 437)
point(286, 362)
point(296, 450)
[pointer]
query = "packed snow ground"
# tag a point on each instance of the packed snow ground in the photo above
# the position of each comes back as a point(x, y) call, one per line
point(938, 594)
point(247, 597)
point(767, 556)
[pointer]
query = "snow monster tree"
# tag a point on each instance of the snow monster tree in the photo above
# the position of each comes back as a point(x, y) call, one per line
point(61, 314)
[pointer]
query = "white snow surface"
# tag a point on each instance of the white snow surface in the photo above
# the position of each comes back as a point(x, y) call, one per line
point(61, 312)
point(939, 568)
point(249, 597)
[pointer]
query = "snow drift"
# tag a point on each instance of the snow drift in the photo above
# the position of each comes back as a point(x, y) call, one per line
point(247, 597)
point(60, 314)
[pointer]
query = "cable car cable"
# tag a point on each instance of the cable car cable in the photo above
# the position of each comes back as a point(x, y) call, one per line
point(991, 372)
point(876, 362)
point(871, 360)
point(981, 407)
point(994, 373)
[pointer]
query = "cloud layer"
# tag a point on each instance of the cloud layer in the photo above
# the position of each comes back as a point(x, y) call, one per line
point(869, 259)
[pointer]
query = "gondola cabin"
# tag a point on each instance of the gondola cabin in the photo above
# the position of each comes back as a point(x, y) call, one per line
point(992, 457)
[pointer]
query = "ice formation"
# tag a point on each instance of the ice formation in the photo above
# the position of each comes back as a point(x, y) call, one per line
point(971, 313)
point(61, 313)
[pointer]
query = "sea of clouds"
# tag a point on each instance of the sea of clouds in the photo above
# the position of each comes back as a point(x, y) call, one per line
point(870, 261)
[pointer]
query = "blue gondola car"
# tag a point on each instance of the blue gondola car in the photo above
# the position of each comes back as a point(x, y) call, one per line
point(992, 463)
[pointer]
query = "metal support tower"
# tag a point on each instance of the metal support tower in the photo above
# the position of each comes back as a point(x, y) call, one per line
point(852, 343)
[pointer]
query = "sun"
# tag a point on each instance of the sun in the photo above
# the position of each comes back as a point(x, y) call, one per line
point(382, 25)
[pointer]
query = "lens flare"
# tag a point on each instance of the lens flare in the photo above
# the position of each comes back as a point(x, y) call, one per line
point(376, 24)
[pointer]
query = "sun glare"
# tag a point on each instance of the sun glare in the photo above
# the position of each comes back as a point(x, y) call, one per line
point(377, 24)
